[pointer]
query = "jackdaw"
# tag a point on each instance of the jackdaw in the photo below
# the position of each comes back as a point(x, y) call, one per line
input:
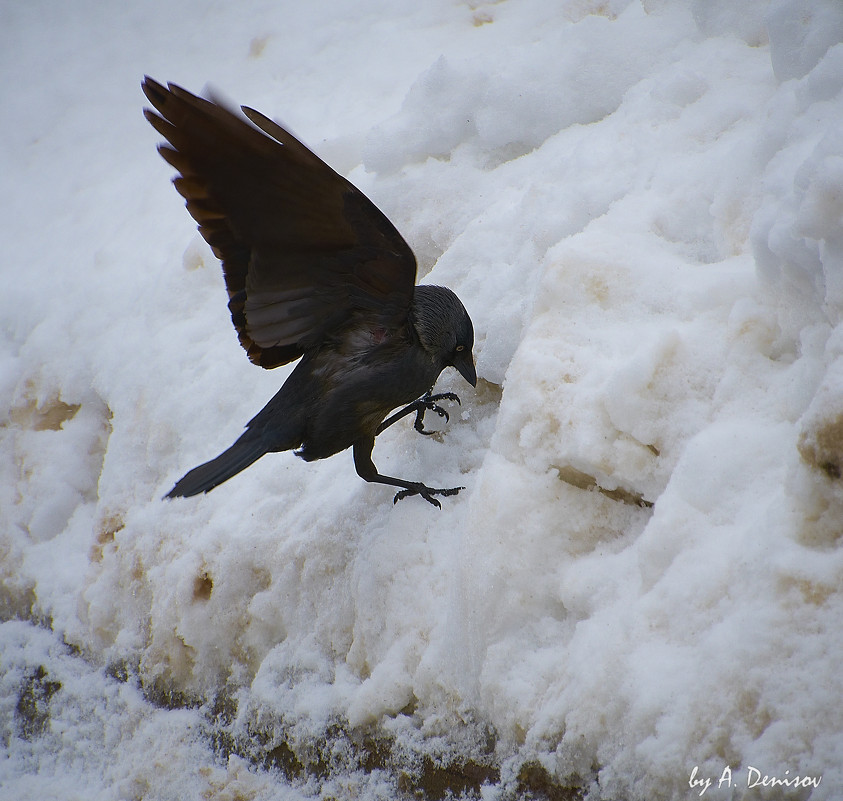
point(315, 272)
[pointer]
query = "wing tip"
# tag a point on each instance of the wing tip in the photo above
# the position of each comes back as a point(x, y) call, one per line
point(155, 92)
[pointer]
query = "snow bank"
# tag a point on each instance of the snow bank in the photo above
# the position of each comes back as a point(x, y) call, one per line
point(640, 204)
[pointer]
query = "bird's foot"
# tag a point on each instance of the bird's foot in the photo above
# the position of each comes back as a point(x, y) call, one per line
point(426, 492)
point(427, 403)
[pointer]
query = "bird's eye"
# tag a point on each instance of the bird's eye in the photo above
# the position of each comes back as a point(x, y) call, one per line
point(460, 347)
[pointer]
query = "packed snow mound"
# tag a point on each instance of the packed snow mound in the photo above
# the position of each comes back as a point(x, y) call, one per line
point(641, 206)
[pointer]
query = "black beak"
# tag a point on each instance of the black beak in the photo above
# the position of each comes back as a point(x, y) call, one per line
point(465, 364)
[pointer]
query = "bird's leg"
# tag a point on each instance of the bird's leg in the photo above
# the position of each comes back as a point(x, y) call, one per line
point(426, 403)
point(368, 472)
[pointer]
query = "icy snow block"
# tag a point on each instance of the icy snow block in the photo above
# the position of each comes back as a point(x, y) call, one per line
point(821, 431)
point(801, 31)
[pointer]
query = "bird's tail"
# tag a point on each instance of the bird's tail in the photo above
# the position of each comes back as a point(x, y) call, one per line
point(248, 449)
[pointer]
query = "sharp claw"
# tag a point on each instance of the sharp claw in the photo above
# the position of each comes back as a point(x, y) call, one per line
point(445, 396)
point(406, 493)
point(427, 403)
point(427, 493)
point(441, 412)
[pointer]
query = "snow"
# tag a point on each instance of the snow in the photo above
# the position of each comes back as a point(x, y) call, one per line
point(641, 206)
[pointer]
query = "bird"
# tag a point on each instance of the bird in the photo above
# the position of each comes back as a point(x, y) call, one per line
point(315, 272)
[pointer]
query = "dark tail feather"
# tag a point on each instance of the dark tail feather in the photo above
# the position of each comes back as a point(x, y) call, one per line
point(239, 456)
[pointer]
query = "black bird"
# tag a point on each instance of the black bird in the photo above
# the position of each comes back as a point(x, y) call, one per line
point(316, 272)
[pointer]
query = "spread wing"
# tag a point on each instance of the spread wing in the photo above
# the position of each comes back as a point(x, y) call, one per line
point(303, 251)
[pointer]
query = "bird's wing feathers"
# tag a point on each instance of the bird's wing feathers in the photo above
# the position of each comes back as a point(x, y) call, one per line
point(303, 251)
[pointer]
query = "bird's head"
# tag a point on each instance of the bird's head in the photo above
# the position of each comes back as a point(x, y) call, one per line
point(445, 329)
